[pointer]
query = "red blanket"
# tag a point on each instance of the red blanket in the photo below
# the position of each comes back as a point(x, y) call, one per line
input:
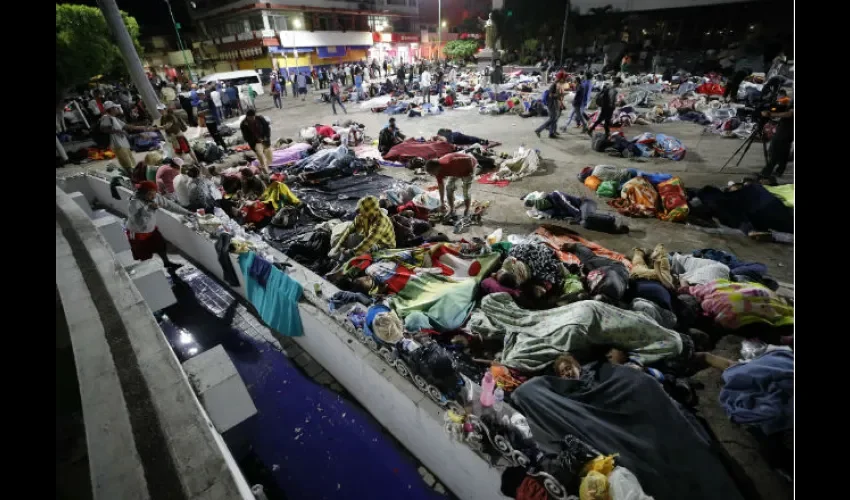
point(412, 148)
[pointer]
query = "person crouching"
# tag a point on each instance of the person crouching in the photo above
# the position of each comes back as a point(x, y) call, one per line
point(454, 166)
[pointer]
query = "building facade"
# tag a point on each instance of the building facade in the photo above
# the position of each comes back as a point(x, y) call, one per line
point(245, 34)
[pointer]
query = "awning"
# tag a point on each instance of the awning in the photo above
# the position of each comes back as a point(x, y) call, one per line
point(287, 50)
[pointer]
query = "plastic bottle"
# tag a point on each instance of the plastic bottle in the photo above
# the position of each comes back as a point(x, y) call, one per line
point(488, 383)
point(409, 345)
point(498, 398)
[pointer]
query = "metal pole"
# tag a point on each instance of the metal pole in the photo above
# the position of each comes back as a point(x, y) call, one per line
point(131, 57)
point(564, 34)
point(439, 27)
point(180, 41)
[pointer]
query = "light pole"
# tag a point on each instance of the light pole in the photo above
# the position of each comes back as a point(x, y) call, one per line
point(180, 41)
point(564, 34)
point(439, 27)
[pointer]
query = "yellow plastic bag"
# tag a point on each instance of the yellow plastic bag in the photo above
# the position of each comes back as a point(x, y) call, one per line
point(594, 486)
point(601, 464)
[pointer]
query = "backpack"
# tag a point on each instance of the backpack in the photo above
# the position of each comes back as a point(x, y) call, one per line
point(599, 143)
point(604, 99)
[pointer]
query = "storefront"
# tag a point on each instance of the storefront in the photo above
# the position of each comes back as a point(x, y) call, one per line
point(395, 46)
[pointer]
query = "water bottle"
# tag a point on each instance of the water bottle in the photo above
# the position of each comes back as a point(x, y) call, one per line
point(488, 383)
point(498, 399)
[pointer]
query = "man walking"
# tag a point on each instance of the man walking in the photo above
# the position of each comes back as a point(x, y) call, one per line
point(257, 133)
point(302, 85)
point(425, 83)
point(335, 97)
point(606, 100)
point(117, 130)
point(275, 88)
point(212, 118)
point(215, 95)
point(553, 104)
point(578, 107)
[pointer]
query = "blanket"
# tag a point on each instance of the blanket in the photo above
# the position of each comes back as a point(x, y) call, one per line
point(533, 339)
point(412, 148)
point(325, 159)
point(616, 409)
point(445, 299)
point(524, 162)
point(761, 392)
point(733, 305)
point(286, 156)
point(556, 236)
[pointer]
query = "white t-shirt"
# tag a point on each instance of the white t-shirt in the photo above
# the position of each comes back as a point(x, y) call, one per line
point(425, 78)
point(215, 95)
point(116, 140)
point(181, 189)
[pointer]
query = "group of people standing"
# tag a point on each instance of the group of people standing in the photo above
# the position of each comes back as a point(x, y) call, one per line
point(606, 100)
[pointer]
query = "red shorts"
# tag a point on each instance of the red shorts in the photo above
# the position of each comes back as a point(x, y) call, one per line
point(145, 245)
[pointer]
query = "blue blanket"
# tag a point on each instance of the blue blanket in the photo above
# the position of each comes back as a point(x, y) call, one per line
point(761, 392)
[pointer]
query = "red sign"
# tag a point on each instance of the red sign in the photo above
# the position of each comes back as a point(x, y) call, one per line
point(376, 36)
point(471, 36)
point(403, 37)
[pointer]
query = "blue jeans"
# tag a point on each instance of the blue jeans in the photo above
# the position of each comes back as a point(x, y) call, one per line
point(578, 114)
point(552, 121)
point(334, 101)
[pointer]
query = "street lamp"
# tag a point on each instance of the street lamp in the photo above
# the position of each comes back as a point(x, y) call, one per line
point(297, 23)
point(444, 24)
point(180, 40)
point(439, 28)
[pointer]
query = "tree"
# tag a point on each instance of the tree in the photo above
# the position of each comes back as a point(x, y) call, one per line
point(85, 47)
point(461, 49)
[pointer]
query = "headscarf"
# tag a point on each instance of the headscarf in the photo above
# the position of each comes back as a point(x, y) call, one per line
point(368, 210)
point(517, 268)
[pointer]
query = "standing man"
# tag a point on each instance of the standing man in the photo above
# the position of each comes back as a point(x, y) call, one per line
point(779, 149)
point(257, 133)
point(302, 85)
point(607, 101)
point(315, 77)
point(385, 67)
point(578, 107)
point(283, 77)
point(215, 95)
point(453, 79)
point(399, 77)
point(226, 108)
point(235, 100)
point(174, 126)
point(117, 130)
point(358, 85)
point(275, 88)
point(194, 99)
point(454, 166)
point(323, 76)
point(335, 97)
point(425, 83)
point(212, 118)
point(348, 79)
point(553, 105)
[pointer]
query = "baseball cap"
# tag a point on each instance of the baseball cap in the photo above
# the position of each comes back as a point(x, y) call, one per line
point(109, 105)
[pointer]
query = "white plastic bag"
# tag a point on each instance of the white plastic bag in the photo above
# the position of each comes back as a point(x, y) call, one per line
point(623, 485)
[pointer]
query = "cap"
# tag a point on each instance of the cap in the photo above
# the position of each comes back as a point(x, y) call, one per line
point(109, 105)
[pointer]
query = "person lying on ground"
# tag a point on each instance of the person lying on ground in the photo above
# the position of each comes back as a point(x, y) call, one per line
point(215, 177)
point(372, 230)
point(454, 166)
point(458, 138)
point(607, 279)
point(389, 136)
point(142, 233)
point(566, 366)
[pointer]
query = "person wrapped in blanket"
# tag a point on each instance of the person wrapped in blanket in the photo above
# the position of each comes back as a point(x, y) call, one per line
point(372, 230)
point(535, 277)
point(607, 279)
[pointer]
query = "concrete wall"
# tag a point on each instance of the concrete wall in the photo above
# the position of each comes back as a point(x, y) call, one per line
point(147, 434)
point(415, 420)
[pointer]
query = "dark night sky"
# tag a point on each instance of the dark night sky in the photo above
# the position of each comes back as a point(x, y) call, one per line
point(152, 15)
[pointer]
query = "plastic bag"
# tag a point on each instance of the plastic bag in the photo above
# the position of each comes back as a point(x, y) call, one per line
point(593, 182)
point(594, 486)
point(623, 485)
point(608, 189)
point(751, 349)
point(495, 237)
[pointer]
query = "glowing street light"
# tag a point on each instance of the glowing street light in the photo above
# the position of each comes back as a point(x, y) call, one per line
point(444, 24)
point(297, 23)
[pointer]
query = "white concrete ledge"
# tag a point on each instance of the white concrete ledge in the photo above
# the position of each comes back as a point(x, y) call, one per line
point(107, 317)
point(413, 418)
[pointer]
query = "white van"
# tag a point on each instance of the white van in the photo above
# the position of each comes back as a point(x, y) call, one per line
point(234, 78)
